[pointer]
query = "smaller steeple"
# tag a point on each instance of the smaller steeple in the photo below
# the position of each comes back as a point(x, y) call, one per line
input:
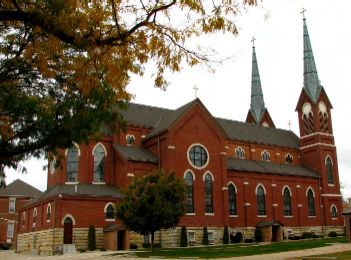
point(310, 75)
point(257, 106)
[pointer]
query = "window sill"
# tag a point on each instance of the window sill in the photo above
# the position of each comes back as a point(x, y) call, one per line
point(233, 216)
point(261, 216)
point(99, 182)
point(189, 214)
point(312, 216)
point(71, 182)
point(47, 221)
point(110, 219)
point(288, 216)
point(334, 218)
point(209, 214)
point(331, 185)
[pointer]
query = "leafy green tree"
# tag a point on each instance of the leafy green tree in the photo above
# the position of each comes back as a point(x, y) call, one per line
point(65, 65)
point(183, 237)
point(205, 237)
point(91, 238)
point(153, 202)
point(225, 236)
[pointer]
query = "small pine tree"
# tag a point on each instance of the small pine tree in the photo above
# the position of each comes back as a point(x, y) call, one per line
point(226, 236)
point(183, 237)
point(91, 238)
point(205, 237)
point(258, 235)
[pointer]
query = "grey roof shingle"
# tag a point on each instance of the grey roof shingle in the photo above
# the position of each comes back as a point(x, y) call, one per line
point(87, 190)
point(268, 167)
point(133, 153)
point(20, 188)
point(160, 119)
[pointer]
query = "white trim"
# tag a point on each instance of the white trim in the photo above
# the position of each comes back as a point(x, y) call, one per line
point(35, 213)
point(68, 216)
point(98, 182)
point(110, 219)
point(325, 160)
point(47, 211)
point(246, 183)
point(261, 216)
point(76, 145)
point(288, 216)
point(236, 190)
point(286, 186)
point(275, 205)
point(331, 195)
point(298, 186)
point(223, 153)
point(96, 145)
point(316, 133)
point(264, 189)
point(171, 147)
point(191, 163)
point(71, 182)
point(224, 188)
point(189, 214)
point(274, 185)
point(130, 174)
point(233, 216)
point(299, 205)
point(209, 214)
point(184, 175)
point(247, 204)
point(333, 205)
point(331, 185)
point(207, 172)
point(107, 204)
point(316, 144)
point(309, 187)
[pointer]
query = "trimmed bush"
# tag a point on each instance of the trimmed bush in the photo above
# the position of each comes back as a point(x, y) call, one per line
point(225, 236)
point(258, 235)
point(91, 238)
point(183, 237)
point(205, 237)
point(332, 234)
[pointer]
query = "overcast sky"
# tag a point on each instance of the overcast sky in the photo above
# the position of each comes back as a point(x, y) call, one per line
point(277, 27)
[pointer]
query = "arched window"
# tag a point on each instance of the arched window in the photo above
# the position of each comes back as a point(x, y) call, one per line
point(288, 158)
point(307, 117)
point(265, 156)
point(232, 199)
point(329, 165)
point(130, 139)
point(110, 212)
point(310, 203)
point(72, 164)
point(99, 163)
point(48, 212)
point(189, 181)
point(260, 196)
point(323, 117)
point(35, 213)
point(23, 218)
point(333, 211)
point(287, 202)
point(208, 194)
point(240, 153)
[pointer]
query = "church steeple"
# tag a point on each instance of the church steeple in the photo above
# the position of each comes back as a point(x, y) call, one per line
point(258, 114)
point(310, 75)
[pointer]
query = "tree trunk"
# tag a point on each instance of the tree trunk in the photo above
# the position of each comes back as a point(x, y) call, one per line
point(152, 241)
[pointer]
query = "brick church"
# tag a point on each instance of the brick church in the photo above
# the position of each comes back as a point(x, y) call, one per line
point(240, 175)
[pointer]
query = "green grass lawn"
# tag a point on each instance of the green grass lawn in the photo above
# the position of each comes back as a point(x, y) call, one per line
point(242, 249)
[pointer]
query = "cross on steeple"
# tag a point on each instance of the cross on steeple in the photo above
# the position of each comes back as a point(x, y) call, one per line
point(303, 12)
point(253, 41)
point(195, 88)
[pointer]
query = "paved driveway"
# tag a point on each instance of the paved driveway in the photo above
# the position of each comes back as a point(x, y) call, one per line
point(11, 255)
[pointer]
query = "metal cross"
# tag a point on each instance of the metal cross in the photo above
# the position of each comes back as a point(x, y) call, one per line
point(289, 124)
point(303, 12)
point(253, 42)
point(196, 89)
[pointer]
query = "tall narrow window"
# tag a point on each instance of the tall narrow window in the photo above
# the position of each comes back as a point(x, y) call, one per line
point(265, 156)
point(10, 228)
point(240, 153)
point(307, 118)
point(23, 219)
point(323, 117)
point(12, 205)
point(48, 212)
point(72, 164)
point(232, 199)
point(189, 181)
point(329, 165)
point(35, 216)
point(99, 163)
point(310, 203)
point(208, 193)
point(333, 212)
point(109, 212)
point(287, 202)
point(260, 196)
point(288, 158)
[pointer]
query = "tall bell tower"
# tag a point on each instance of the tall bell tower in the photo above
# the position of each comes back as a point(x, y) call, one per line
point(317, 146)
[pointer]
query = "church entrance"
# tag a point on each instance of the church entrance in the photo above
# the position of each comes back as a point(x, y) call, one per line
point(67, 231)
point(275, 233)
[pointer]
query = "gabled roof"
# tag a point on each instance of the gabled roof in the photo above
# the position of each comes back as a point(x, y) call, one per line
point(87, 190)
point(268, 167)
point(20, 188)
point(133, 153)
point(160, 119)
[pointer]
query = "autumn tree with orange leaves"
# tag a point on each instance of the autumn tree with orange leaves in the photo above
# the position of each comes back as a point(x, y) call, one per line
point(64, 65)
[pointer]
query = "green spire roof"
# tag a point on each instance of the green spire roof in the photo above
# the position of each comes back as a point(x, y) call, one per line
point(310, 75)
point(257, 103)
